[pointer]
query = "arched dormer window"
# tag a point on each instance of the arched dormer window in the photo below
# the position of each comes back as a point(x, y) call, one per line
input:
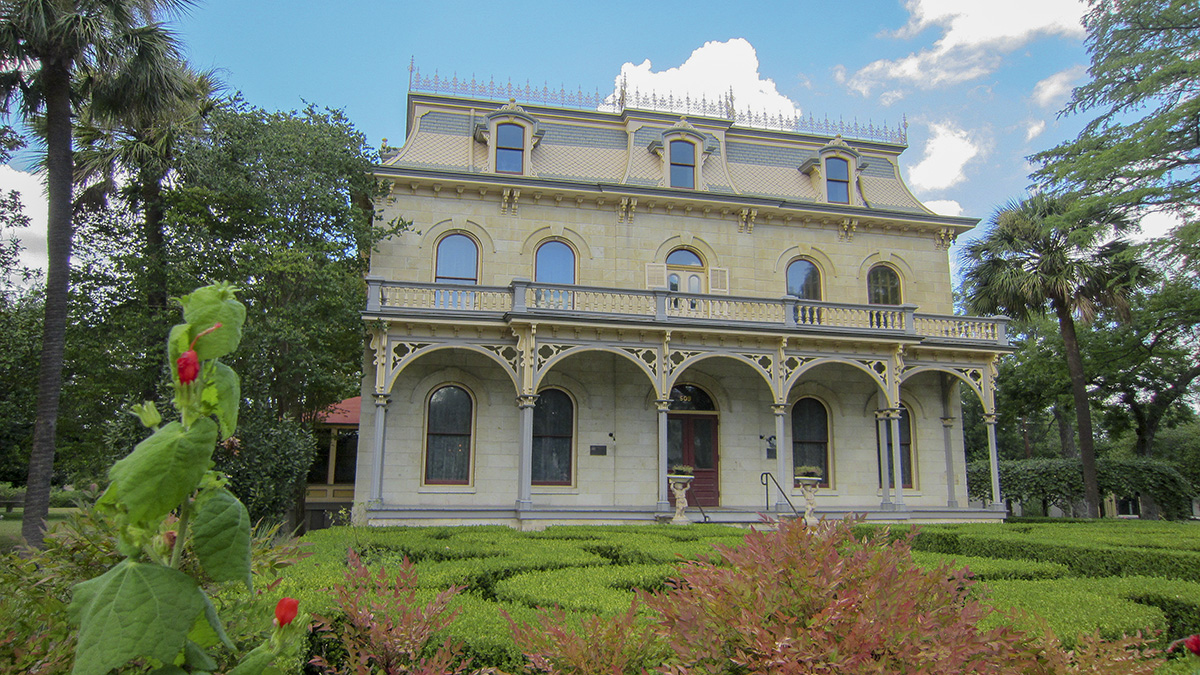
point(832, 171)
point(511, 134)
point(683, 164)
point(837, 180)
point(510, 148)
point(682, 148)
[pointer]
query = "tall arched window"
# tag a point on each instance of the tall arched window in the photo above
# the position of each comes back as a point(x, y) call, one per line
point(906, 475)
point(510, 148)
point(683, 164)
point(804, 280)
point(837, 180)
point(553, 438)
point(810, 436)
point(457, 263)
point(457, 258)
point(883, 286)
point(448, 437)
point(555, 263)
point(685, 273)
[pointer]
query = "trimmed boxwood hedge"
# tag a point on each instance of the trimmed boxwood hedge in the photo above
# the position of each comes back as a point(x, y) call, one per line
point(1077, 577)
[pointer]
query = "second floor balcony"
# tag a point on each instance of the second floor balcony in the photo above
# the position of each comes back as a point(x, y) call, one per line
point(523, 299)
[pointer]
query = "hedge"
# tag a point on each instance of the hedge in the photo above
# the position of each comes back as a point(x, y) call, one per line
point(988, 569)
point(1060, 481)
point(1070, 609)
point(598, 590)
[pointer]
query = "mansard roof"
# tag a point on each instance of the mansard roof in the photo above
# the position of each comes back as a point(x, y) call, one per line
point(619, 149)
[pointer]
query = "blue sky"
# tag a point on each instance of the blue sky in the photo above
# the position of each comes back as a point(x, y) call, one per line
point(980, 82)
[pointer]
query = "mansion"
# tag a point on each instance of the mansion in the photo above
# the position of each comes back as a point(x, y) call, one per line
point(590, 295)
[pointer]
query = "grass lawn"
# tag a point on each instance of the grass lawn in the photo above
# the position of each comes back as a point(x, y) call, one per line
point(10, 525)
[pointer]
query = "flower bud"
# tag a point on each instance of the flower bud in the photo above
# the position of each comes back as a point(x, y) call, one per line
point(188, 366)
point(1193, 644)
point(285, 611)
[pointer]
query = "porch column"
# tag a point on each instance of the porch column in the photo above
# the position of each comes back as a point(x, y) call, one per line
point(993, 462)
point(783, 457)
point(881, 456)
point(525, 403)
point(897, 472)
point(664, 406)
point(951, 494)
point(375, 491)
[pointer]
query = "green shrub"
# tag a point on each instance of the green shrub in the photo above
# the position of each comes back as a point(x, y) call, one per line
point(1071, 609)
point(598, 590)
point(988, 569)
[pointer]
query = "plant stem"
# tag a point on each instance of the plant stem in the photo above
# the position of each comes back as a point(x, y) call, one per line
point(185, 513)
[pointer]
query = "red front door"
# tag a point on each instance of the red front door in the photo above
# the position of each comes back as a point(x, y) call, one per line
point(692, 440)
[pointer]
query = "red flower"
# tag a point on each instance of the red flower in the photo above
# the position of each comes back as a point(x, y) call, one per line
point(189, 366)
point(285, 611)
point(1193, 644)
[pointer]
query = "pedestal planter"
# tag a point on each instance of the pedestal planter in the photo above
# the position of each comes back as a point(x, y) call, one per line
point(808, 487)
point(679, 486)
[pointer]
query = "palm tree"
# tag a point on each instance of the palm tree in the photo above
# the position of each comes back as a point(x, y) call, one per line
point(54, 53)
point(1043, 254)
point(127, 138)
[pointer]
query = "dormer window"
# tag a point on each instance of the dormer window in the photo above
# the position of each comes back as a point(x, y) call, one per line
point(511, 135)
point(683, 164)
point(510, 148)
point(837, 180)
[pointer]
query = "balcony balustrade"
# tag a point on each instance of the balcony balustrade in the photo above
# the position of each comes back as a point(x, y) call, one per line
point(523, 298)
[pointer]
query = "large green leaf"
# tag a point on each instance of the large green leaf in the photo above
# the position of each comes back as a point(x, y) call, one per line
point(223, 393)
point(163, 470)
point(208, 631)
point(221, 537)
point(207, 307)
point(134, 610)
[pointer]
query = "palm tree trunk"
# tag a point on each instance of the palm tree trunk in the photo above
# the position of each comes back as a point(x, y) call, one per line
point(59, 168)
point(1083, 411)
point(154, 256)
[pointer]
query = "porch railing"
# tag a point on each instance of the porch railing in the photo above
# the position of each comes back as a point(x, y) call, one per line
point(660, 305)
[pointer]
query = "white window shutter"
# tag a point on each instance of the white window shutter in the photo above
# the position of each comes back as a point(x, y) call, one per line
point(656, 275)
point(718, 280)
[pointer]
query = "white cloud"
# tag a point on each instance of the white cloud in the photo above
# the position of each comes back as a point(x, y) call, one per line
point(1053, 91)
point(711, 72)
point(1034, 129)
point(1157, 224)
point(944, 207)
point(976, 35)
point(946, 153)
point(33, 199)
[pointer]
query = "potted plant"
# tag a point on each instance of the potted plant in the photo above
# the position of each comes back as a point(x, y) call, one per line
point(679, 470)
point(809, 474)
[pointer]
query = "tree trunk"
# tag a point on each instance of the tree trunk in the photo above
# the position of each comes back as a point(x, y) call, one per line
point(1066, 434)
point(155, 259)
point(1083, 411)
point(59, 170)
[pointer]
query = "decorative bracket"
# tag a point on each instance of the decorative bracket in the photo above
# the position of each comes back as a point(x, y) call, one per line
point(944, 238)
point(746, 220)
point(847, 229)
point(508, 201)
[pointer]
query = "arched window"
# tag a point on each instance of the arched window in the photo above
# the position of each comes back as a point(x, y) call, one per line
point(686, 273)
point(837, 180)
point(510, 148)
point(810, 436)
point(883, 286)
point(804, 280)
point(448, 437)
point(905, 450)
point(683, 164)
point(555, 263)
point(553, 438)
point(457, 258)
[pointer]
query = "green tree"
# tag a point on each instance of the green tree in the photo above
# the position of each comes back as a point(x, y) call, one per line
point(103, 46)
point(1035, 258)
point(1148, 366)
point(122, 137)
point(1143, 150)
